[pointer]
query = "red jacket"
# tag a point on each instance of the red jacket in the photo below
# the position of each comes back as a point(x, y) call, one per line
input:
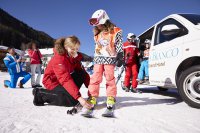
point(58, 72)
point(35, 59)
point(76, 63)
point(130, 52)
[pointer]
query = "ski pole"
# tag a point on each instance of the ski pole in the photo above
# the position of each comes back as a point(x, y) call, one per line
point(122, 69)
point(119, 76)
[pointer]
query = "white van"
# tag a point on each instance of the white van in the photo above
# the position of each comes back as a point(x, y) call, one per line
point(174, 60)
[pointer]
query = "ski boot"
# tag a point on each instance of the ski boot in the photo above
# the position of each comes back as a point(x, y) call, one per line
point(5, 84)
point(140, 81)
point(20, 85)
point(89, 112)
point(37, 100)
point(135, 90)
point(110, 102)
point(146, 80)
point(92, 100)
point(109, 112)
point(126, 89)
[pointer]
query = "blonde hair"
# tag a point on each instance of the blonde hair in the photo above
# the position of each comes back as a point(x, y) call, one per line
point(70, 41)
point(108, 26)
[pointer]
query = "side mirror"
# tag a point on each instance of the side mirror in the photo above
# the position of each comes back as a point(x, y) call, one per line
point(170, 29)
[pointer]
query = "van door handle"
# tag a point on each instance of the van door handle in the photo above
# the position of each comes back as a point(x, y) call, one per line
point(187, 49)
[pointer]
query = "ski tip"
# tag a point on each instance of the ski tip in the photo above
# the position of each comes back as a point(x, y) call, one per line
point(87, 116)
point(108, 115)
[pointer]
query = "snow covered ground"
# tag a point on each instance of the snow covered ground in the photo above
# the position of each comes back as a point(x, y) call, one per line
point(150, 112)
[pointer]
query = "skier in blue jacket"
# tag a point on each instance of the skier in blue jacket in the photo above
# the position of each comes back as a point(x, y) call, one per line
point(14, 64)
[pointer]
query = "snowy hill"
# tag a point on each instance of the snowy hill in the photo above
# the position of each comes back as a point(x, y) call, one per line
point(14, 32)
point(150, 112)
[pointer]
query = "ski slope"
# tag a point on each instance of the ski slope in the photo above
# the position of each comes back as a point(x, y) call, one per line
point(150, 112)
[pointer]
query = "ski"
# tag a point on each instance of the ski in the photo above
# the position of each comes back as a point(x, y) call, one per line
point(88, 113)
point(109, 112)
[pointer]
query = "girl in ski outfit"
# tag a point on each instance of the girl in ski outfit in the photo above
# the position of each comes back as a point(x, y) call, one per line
point(36, 64)
point(144, 68)
point(108, 40)
point(14, 64)
point(63, 76)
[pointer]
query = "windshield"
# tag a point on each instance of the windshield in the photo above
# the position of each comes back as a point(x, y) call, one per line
point(194, 18)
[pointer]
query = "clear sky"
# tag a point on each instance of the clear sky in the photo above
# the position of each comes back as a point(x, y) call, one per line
point(60, 18)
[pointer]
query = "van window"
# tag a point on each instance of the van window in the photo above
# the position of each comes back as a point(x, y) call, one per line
point(194, 18)
point(146, 35)
point(160, 38)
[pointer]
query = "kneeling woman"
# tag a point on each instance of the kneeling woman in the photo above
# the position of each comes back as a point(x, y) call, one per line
point(63, 76)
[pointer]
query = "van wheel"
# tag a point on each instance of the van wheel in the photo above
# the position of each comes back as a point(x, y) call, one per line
point(162, 89)
point(189, 86)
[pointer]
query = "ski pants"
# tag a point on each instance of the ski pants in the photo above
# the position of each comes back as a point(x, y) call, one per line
point(96, 79)
point(131, 72)
point(144, 69)
point(59, 96)
point(14, 77)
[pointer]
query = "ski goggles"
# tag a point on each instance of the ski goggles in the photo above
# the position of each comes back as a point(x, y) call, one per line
point(94, 21)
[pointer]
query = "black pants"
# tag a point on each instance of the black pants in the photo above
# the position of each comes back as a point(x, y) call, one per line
point(59, 96)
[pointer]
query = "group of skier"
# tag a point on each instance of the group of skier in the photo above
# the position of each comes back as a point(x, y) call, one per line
point(64, 74)
point(15, 63)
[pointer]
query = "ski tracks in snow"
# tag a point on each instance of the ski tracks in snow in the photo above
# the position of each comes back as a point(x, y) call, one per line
point(150, 112)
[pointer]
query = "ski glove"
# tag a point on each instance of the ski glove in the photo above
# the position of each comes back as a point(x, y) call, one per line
point(119, 59)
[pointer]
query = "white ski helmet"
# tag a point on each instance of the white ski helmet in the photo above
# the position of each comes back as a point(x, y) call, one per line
point(131, 35)
point(147, 41)
point(98, 17)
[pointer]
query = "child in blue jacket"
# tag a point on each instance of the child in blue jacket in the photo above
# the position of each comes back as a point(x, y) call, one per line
point(143, 75)
point(14, 64)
